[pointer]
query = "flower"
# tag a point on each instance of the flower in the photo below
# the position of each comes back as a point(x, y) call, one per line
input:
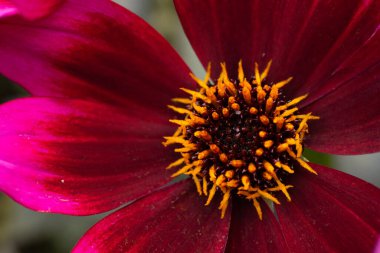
point(89, 140)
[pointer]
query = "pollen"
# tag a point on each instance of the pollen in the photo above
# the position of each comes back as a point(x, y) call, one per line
point(239, 138)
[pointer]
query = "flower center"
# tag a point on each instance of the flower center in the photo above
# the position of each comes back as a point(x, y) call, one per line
point(239, 137)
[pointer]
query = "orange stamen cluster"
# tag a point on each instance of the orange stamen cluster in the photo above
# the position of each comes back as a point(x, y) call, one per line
point(239, 137)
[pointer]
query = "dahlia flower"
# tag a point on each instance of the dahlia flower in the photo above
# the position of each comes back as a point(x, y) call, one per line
point(115, 114)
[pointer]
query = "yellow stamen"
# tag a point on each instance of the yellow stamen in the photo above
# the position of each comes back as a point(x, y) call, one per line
point(225, 112)
point(257, 75)
point(256, 204)
point(246, 182)
point(183, 170)
point(203, 154)
point(221, 87)
point(175, 140)
point(214, 148)
point(229, 174)
point(247, 95)
point(199, 81)
point(269, 105)
point(291, 103)
point(235, 106)
point(182, 100)
point(176, 163)
point(282, 147)
point(282, 83)
point(231, 100)
point(223, 158)
point(291, 141)
point(287, 168)
point(195, 120)
point(224, 203)
point(253, 110)
point(230, 86)
point(204, 186)
point(195, 179)
point(212, 173)
point(289, 126)
point(288, 112)
point(199, 109)
point(266, 70)
point(311, 117)
point(233, 183)
point(211, 195)
point(268, 144)
point(220, 180)
point(268, 167)
point(203, 135)
point(298, 146)
point(306, 166)
point(262, 134)
point(180, 110)
point(268, 196)
point(281, 186)
point(196, 94)
point(267, 176)
point(185, 149)
point(237, 163)
point(211, 94)
point(180, 122)
point(274, 92)
point(291, 153)
point(264, 119)
point(303, 123)
point(251, 168)
point(240, 72)
point(215, 115)
point(203, 83)
point(259, 152)
point(279, 121)
point(261, 94)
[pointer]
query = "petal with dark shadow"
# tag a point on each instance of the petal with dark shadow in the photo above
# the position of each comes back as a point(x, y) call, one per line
point(249, 234)
point(174, 219)
point(92, 49)
point(331, 212)
point(349, 117)
point(309, 40)
point(78, 157)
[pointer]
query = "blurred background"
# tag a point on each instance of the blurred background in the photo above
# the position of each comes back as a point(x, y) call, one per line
point(24, 231)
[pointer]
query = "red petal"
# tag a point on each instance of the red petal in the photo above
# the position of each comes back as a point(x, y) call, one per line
point(92, 49)
point(7, 8)
point(331, 212)
point(248, 233)
point(31, 9)
point(63, 156)
point(377, 249)
point(355, 52)
point(305, 39)
point(224, 31)
point(172, 220)
point(349, 117)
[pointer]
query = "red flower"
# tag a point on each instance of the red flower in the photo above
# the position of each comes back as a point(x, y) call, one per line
point(90, 139)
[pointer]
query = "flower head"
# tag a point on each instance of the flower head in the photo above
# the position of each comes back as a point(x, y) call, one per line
point(241, 137)
point(90, 138)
